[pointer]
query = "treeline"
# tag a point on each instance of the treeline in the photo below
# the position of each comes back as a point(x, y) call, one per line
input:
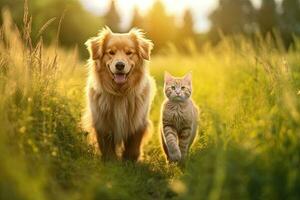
point(66, 19)
point(240, 16)
point(231, 17)
point(159, 26)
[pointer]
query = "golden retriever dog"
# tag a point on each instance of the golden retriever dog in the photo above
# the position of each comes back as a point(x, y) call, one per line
point(119, 92)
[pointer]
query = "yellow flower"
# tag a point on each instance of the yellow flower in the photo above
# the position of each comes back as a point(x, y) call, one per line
point(22, 129)
point(53, 153)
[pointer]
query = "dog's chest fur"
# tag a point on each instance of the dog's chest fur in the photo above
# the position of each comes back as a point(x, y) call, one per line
point(120, 116)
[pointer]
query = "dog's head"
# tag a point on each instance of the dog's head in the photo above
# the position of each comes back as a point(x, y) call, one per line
point(119, 54)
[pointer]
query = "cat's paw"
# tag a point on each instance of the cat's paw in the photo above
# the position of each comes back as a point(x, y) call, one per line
point(175, 156)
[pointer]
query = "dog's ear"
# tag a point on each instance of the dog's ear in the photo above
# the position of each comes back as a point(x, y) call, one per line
point(144, 45)
point(95, 45)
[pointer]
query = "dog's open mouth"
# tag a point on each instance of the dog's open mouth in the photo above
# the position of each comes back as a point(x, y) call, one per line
point(120, 78)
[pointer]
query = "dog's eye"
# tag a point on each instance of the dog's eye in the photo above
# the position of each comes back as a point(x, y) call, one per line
point(111, 52)
point(182, 87)
point(173, 87)
point(128, 53)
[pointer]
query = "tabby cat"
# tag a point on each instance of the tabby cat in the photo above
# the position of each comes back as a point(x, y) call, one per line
point(179, 117)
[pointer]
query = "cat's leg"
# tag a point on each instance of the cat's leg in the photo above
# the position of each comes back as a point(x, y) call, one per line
point(107, 146)
point(184, 142)
point(170, 137)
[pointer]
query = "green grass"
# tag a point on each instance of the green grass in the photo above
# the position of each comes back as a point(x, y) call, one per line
point(248, 144)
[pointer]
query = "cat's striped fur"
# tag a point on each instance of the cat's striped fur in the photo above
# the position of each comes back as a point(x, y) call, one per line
point(179, 118)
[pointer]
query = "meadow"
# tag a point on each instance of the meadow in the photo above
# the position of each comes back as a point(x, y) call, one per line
point(248, 143)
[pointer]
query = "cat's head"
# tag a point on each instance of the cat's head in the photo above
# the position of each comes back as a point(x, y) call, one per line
point(178, 89)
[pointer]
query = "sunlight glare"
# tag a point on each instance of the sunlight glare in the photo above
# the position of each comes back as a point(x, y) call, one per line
point(142, 5)
point(200, 9)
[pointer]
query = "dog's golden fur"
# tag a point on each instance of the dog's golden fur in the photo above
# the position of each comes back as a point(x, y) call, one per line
point(118, 113)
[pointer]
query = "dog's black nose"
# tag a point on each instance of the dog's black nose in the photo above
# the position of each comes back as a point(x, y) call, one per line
point(120, 66)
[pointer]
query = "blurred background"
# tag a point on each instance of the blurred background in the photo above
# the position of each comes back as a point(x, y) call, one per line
point(244, 57)
point(184, 24)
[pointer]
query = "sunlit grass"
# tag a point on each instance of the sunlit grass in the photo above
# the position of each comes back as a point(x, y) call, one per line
point(247, 145)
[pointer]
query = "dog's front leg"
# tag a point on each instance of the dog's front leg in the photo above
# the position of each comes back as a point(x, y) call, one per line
point(133, 145)
point(107, 146)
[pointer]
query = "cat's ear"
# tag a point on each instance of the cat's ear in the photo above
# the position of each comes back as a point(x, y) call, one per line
point(168, 77)
point(188, 78)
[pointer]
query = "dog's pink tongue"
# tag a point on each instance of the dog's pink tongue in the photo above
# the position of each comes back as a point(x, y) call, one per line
point(120, 78)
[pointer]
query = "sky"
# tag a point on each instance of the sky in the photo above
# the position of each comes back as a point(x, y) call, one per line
point(200, 9)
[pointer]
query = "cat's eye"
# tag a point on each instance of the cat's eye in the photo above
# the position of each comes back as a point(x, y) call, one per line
point(182, 87)
point(173, 87)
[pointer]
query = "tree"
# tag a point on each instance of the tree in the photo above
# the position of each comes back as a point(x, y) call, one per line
point(290, 20)
point(186, 37)
point(137, 19)
point(188, 24)
point(112, 17)
point(159, 26)
point(233, 16)
point(267, 18)
point(71, 31)
point(291, 10)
